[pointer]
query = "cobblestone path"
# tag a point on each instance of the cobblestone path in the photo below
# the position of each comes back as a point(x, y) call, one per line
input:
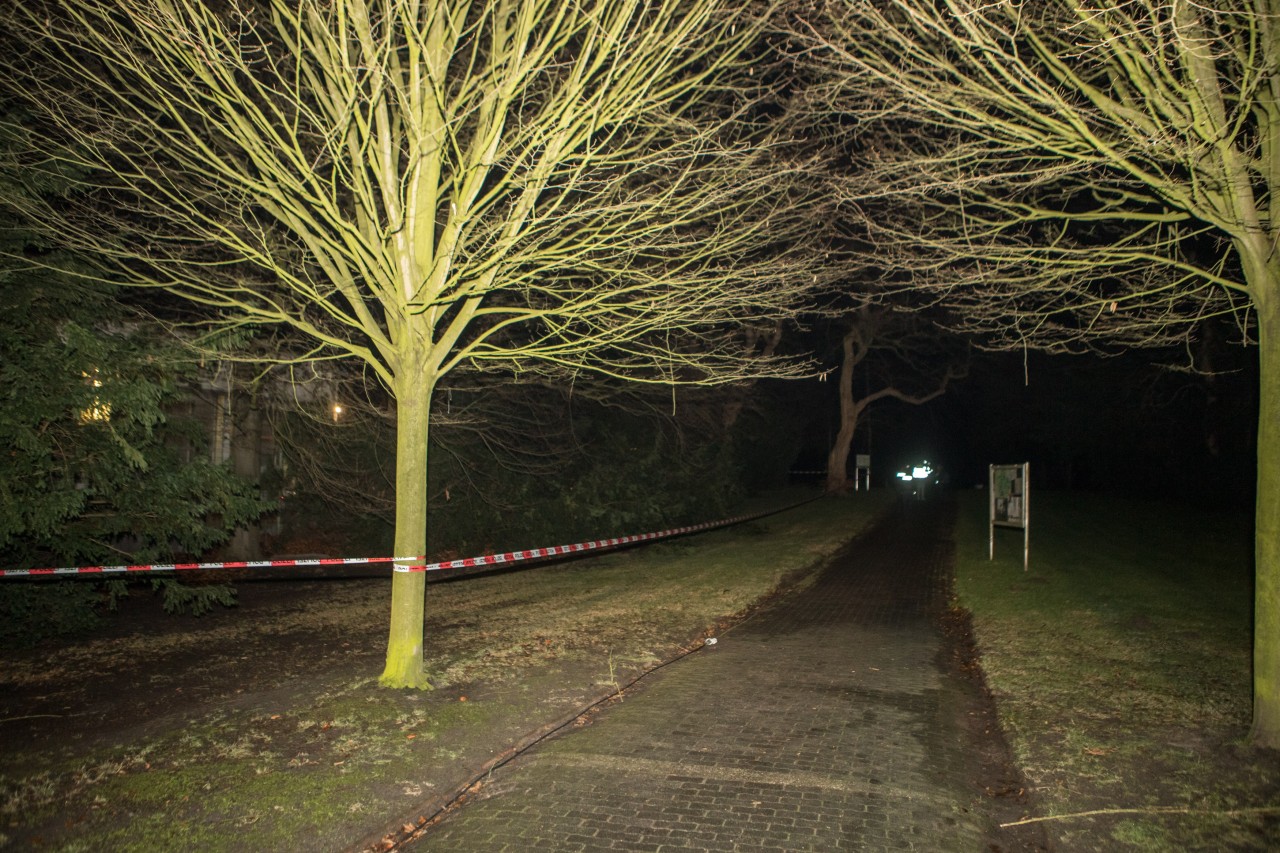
point(824, 722)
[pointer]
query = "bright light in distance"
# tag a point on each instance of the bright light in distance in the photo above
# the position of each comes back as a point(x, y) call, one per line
point(337, 411)
point(917, 472)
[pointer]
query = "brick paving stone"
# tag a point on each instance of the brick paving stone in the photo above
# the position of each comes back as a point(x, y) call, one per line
point(815, 725)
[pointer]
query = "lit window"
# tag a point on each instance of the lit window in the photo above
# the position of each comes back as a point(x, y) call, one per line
point(100, 411)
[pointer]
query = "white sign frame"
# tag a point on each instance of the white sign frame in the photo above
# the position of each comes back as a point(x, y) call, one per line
point(861, 471)
point(1009, 505)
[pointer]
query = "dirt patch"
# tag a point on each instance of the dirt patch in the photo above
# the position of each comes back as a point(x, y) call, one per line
point(996, 782)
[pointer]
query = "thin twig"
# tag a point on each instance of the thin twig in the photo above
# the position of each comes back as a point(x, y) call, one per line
point(37, 716)
point(1148, 810)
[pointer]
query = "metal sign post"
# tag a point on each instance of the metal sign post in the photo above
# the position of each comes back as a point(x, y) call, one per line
point(1009, 505)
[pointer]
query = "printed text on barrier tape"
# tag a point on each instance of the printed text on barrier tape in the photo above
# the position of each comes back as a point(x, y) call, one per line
point(415, 564)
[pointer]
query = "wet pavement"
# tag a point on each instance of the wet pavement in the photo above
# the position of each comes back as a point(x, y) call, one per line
point(827, 721)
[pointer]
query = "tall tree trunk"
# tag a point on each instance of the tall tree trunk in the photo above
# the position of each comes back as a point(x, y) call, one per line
point(408, 589)
point(1266, 637)
point(856, 344)
point(838, 458)
point(246, 461)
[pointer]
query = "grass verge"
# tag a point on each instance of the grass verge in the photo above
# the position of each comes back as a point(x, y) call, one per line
point(263, 727)
point(1120, 664)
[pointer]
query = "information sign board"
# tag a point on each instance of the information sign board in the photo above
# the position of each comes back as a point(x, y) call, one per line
point(1009, 505)
point(861, 471)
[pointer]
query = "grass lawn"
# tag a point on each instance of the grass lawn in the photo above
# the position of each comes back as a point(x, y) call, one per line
point(1120, 664)
point(262, 727)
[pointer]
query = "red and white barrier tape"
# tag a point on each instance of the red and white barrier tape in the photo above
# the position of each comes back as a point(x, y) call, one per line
point(403, 564)
point(180, 567)
point(557, 550)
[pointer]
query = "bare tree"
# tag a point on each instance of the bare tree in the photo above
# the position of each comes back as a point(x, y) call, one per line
point(909, 344)
point(533, 185)
point(1079, 173)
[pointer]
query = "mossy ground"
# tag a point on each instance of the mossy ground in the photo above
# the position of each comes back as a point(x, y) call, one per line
point(262, 727)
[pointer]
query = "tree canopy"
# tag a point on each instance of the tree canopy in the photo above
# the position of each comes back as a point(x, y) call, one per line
point(1072, 174)
point(533, 185)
